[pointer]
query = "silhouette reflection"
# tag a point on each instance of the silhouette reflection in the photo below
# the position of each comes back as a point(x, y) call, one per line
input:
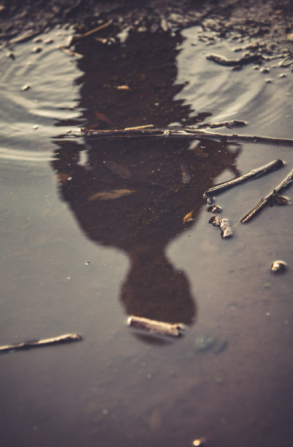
point(132, 194)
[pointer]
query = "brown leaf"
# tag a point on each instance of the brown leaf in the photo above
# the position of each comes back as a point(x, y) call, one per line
point(110, 195)
point(188, 217)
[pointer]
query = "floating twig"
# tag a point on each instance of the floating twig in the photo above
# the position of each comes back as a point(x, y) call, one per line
point(185, 132)
point(272, 197)
point(255, 173)
point(39, 343)
point(76, 37)
point(157, 327)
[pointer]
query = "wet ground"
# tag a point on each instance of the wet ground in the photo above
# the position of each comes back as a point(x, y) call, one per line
point(92, 232)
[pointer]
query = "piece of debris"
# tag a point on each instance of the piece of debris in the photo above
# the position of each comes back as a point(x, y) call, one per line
point(271, 198)
point(101, 39)
point(188, 217)
point(255, 173)
point(221, 60)
point(278, 267)
point(147, 126)
point(157, 327)
point(38, 343)
point(199, 442)
point(110, 195)
point(123, 87)
point(164, 24)
point(223, 224)
point(204, 343)
point(25, 87)
point(69, 52)
point(216, 209)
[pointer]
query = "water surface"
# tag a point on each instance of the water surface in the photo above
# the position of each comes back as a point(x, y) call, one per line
point(74, 263)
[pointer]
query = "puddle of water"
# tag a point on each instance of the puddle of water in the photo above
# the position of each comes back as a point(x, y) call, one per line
point(92, 232)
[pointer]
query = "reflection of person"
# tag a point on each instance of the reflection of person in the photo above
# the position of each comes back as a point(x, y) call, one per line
point(134, 193)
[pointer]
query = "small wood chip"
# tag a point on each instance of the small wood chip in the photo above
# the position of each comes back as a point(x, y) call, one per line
point(157, 327)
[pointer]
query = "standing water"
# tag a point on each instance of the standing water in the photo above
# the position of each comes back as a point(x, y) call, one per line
point(92, 232)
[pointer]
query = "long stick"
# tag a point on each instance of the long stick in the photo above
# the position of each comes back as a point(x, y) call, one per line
point(255, 173)
point(185, 132)
point(38, 343)
point(267, 199)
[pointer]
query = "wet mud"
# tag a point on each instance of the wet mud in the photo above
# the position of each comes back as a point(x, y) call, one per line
point(96, 230)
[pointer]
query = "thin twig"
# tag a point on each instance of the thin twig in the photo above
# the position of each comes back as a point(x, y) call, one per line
point(254, 174)
point(184, 133)
point(269, 198)
point(38, 343)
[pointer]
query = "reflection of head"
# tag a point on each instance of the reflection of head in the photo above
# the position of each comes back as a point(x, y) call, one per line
point(133, 193)
point(154, 289)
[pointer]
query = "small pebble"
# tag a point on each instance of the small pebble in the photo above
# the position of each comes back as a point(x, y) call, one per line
point(25, 87)
point(278, 267)
point(283, 75)
point(268, 81)
point(11, 55)
point(48, 41)
point(210, 200)
point(37, 49)
point(214, 209)
point(35, 127)
point(37, 39)
point(265, 70)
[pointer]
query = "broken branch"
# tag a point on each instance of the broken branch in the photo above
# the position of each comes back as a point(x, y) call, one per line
point(275, 194)
point(255, 173)
point(185, 132)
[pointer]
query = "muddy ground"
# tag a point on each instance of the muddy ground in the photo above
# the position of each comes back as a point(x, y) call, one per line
point(268, 21)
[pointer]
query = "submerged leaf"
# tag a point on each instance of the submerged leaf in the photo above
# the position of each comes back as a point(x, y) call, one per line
point(110, 195)
point(117, 169)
